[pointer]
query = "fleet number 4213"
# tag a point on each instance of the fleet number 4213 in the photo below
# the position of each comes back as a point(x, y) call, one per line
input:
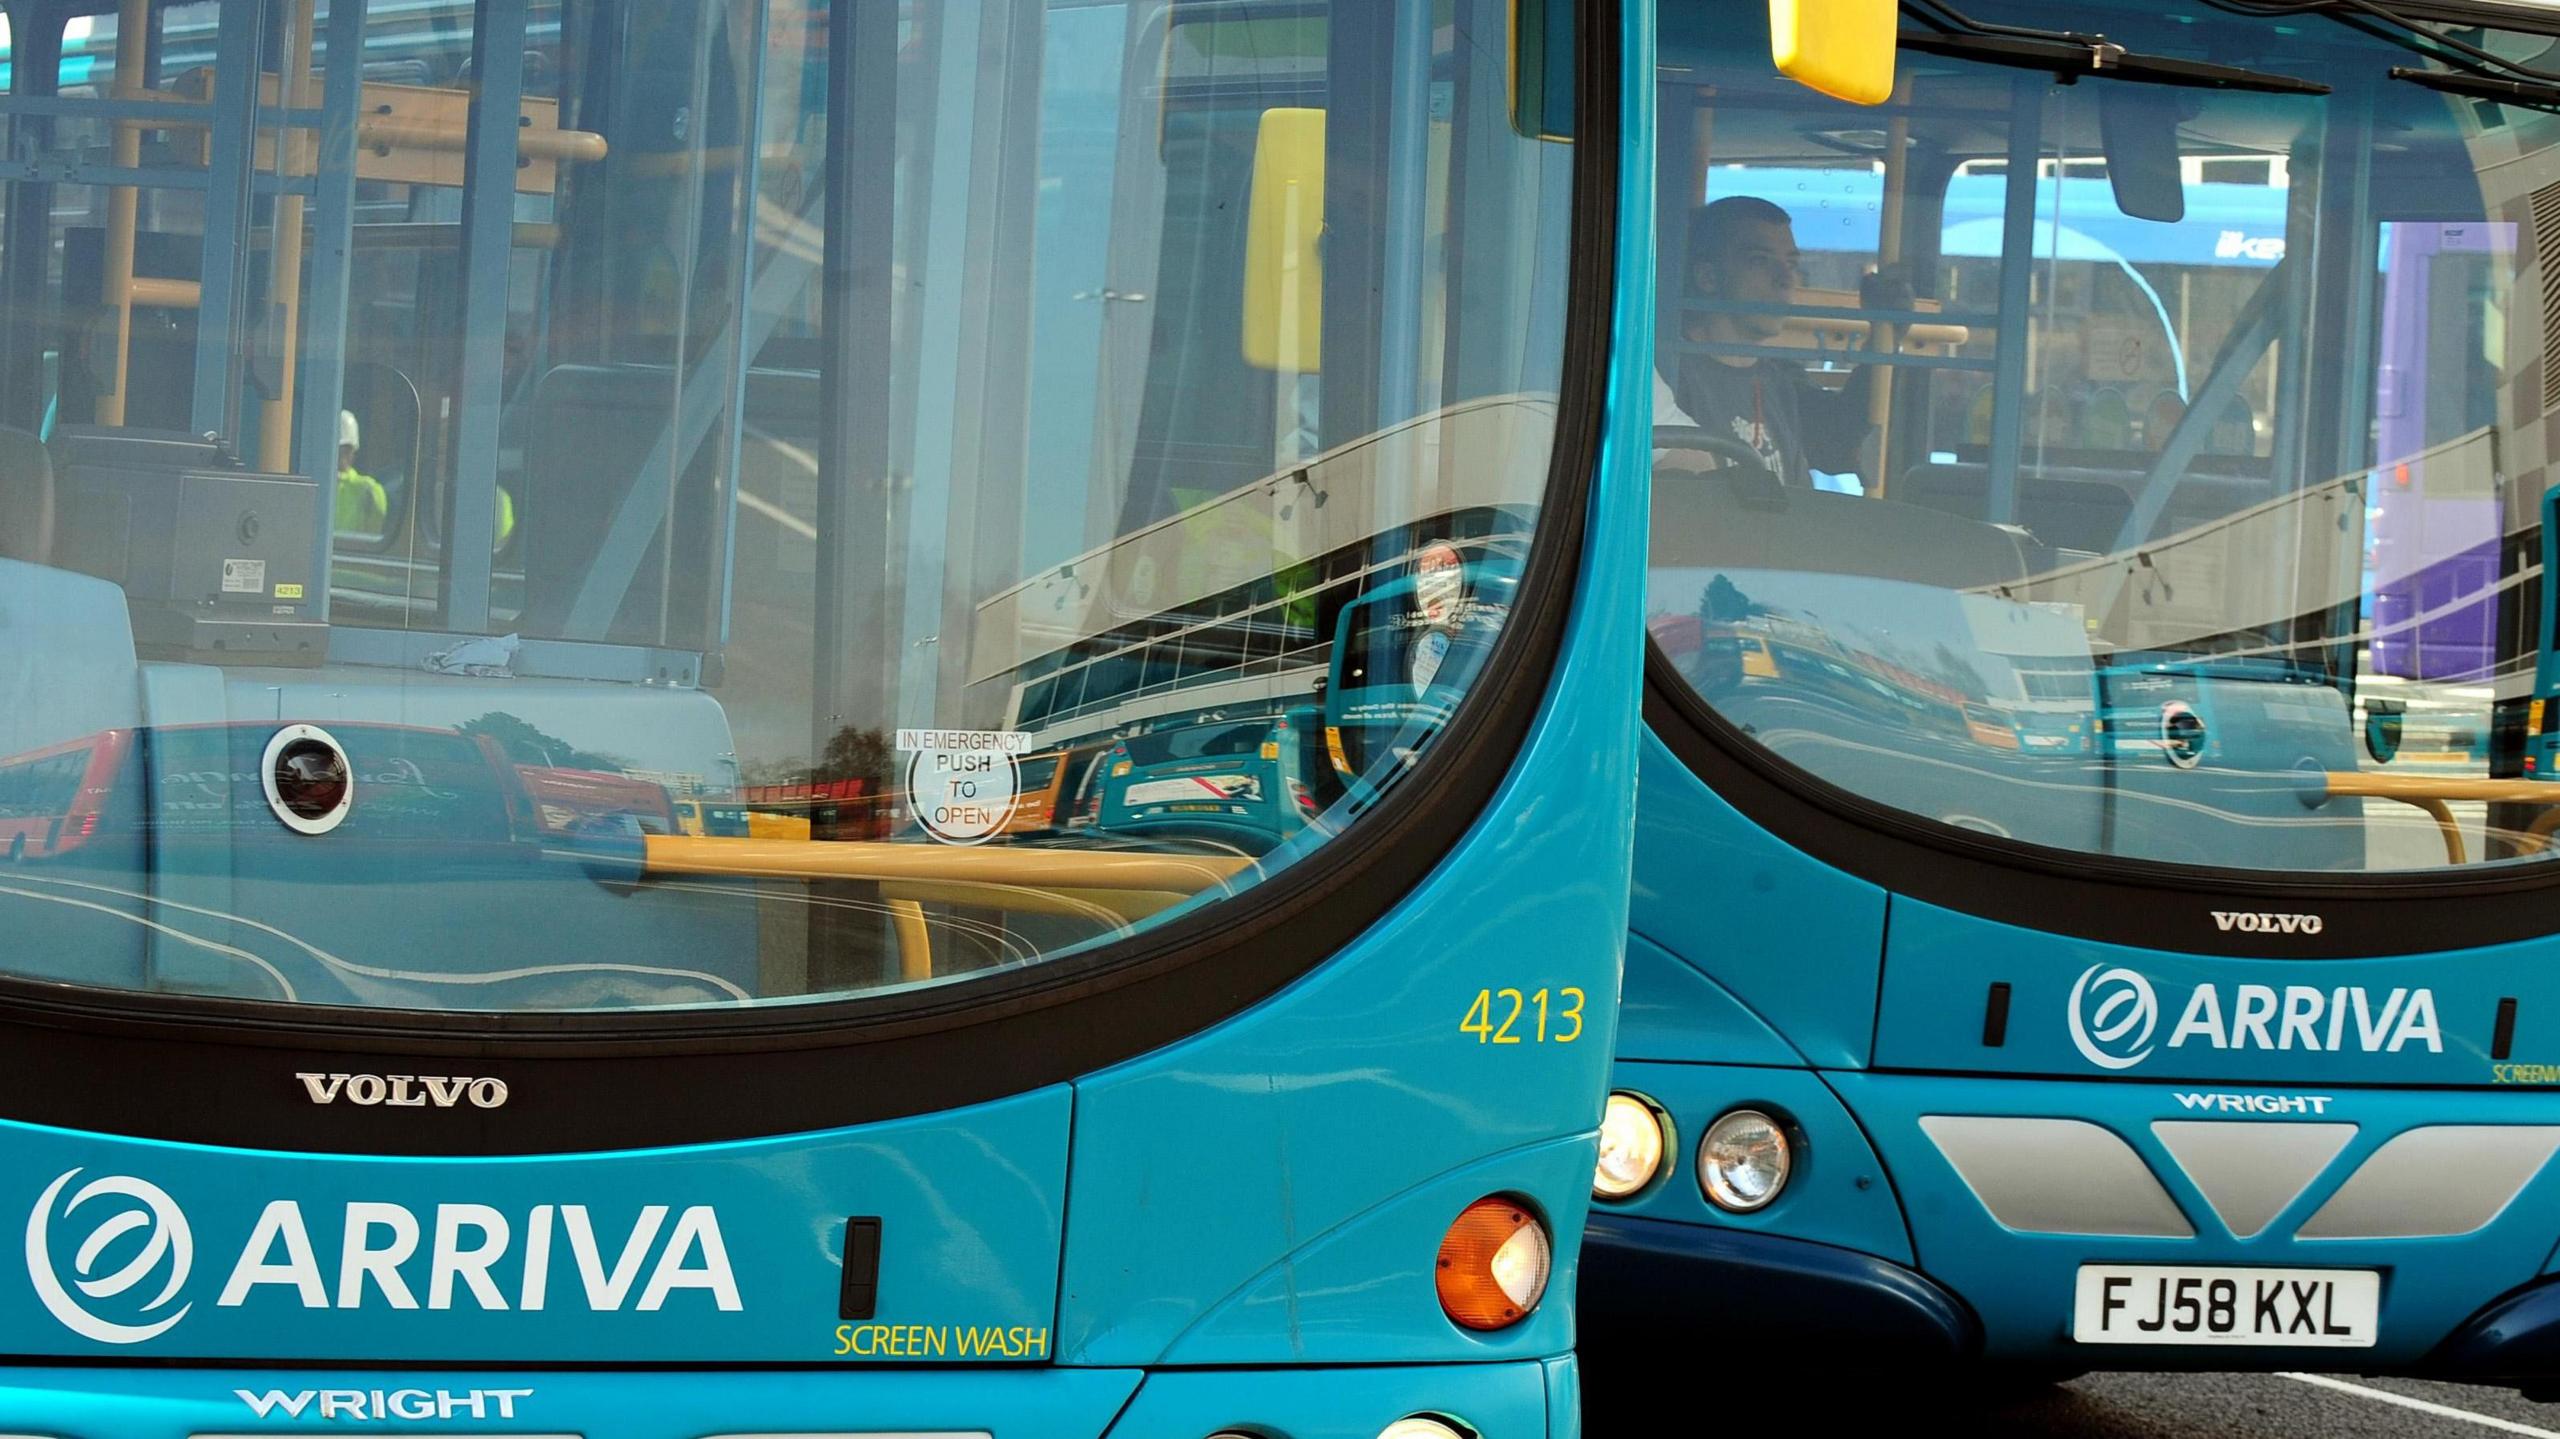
point(1496, 1012)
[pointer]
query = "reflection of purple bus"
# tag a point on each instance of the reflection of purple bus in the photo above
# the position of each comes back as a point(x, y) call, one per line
point(2435, 503)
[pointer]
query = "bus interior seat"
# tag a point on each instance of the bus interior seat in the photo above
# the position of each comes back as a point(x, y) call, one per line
point(2079, 509)
point(160, 356)
point(2065, 512)
point(592, 429)
point(1740, 520)
point(26, 498)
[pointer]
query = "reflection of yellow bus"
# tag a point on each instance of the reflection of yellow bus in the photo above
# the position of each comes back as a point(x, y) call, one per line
point(764, 824)
point(1757, 662)
point(1050, 784)
point(712, 817)
point(833, 809)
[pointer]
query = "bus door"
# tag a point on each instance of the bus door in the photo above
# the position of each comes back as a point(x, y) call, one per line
point(1404, 651)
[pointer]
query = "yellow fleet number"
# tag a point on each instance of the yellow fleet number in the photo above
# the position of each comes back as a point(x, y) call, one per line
point(1498, 1012)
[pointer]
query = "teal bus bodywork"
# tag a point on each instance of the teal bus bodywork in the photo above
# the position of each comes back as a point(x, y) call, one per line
point(2144, 968)
point(1229, 1228)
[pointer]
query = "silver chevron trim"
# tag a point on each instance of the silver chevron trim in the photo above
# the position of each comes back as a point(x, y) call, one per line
point(2056, 1176)
point(2250, 1170)
point(2444, 1179)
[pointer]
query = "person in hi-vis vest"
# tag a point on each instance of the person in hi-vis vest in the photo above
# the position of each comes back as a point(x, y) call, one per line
point(362, 508)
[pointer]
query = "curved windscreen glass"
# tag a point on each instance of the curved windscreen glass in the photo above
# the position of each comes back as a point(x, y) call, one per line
point(712, 502)
point(2151, 466)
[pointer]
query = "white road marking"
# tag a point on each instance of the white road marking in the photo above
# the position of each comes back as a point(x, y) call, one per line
point(179, 935)
point(778, 515)
point(796, 454)
point(2441, 1411)
point(350, 966)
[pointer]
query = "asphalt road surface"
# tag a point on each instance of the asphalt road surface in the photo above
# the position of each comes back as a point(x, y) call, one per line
point(1835, 1400)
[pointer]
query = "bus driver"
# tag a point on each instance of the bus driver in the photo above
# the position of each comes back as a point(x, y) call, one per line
point(1743, 260)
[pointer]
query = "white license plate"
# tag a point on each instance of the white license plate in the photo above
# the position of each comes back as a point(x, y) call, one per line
point(2196, 1304)
point(1191, 787)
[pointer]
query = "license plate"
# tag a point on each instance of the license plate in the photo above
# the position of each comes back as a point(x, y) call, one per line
point(2195, 1304)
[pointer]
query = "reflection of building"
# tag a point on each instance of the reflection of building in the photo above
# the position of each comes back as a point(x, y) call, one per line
point(2035, 660)
point(1230, 605)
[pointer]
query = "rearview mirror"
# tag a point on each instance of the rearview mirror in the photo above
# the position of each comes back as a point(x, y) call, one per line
point(2138, 131)
point(1843, 48)
point(1542, 68)
point(1283, 246)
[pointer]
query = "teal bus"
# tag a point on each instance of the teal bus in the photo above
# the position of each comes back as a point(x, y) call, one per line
point(1249, 784)
point(2176, 401)
point(529, 534)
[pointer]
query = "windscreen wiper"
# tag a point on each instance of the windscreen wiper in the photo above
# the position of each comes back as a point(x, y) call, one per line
point(2068, 60)
point(2532, 94)
point(2069, 54)
point(2474, 73)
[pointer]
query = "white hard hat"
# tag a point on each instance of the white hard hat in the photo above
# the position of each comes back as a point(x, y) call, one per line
point(349, 437)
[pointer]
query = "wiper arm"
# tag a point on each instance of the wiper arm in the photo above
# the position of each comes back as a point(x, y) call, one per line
point(2070, 56)
point(2475, 73)
point(2529, 93)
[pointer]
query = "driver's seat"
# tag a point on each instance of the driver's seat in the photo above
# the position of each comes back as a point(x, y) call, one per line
point(26, 499)
point(1745, 519)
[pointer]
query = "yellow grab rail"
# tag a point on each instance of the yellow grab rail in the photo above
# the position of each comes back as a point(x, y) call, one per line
point(882, 862)
point(2431, 794)
point(1113, 888)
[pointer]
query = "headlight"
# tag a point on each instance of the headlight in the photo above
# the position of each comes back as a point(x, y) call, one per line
point(1743, 1160)
point(1633, 1139)
point(1424, 1426)
point(1493, 1264)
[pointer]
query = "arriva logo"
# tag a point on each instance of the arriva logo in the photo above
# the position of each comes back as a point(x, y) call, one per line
point(2113, 1015)
point(2114, 1012)
point(164, 1247)
point(466, 1256)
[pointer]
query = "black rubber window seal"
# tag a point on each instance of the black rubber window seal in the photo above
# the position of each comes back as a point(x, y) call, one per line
point(2142, 903)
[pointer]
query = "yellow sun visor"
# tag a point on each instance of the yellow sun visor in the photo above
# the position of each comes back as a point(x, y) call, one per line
point(1283, 260)
point(1843, 48)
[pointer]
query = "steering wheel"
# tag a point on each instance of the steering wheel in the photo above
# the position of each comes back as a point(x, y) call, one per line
point(1734, 453)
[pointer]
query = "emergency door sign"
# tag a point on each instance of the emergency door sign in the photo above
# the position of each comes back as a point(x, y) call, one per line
point(961, 784)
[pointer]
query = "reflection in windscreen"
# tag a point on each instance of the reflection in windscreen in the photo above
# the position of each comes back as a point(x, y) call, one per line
point(708, 567)
point(2181, 501)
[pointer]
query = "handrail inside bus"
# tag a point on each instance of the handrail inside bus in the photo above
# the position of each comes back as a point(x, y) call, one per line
point(1114, 889)
point(2430, 793)
point(1115, 871)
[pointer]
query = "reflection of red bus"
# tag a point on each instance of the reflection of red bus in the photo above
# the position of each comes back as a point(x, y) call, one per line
point(179, 783)
point(52, 799)
point(412, 784)
point(589, 801)
point(836, 809)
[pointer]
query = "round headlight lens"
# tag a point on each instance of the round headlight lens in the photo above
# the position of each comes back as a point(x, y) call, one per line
point(1422, 1426)
point(1744, 1160)
point(1632, 1143)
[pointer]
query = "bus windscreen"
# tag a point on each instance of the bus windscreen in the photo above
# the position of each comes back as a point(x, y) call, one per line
point(2174, 504)
point(692, 541)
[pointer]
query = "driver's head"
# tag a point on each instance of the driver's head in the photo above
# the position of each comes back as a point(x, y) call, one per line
point(1742, 250)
